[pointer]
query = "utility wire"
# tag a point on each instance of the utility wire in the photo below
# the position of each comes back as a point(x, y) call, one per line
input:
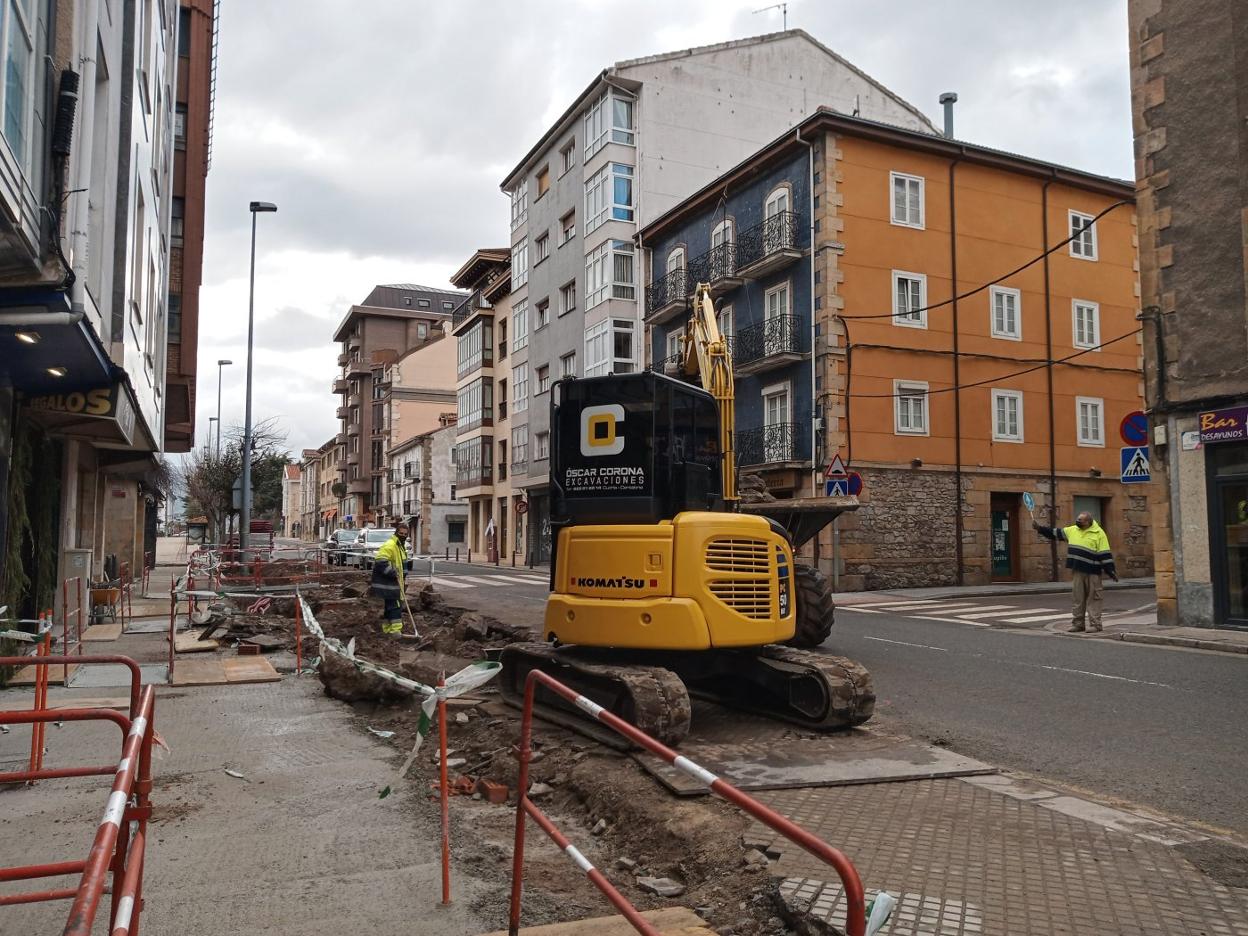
point(978, 289)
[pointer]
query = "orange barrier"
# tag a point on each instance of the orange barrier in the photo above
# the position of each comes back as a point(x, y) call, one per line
point(120, 840)
point(66, 611)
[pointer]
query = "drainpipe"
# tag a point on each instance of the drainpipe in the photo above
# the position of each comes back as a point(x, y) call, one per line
point(958, 524)
point(78, 246)
point(1048, 374)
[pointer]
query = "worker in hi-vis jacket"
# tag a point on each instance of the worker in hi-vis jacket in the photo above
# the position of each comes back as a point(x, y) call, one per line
point(1088, 557)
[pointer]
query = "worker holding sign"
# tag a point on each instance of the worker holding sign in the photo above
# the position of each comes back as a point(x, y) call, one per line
point(1088, 557)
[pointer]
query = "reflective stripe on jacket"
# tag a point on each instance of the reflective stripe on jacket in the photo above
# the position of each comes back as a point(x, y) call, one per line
point(1086, 550)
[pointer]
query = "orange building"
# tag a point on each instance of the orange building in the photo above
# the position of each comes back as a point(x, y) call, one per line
point(955, 364)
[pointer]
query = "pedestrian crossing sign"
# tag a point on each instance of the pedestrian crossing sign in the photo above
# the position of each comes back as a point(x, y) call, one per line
point(1135, 469)
point(836, 487)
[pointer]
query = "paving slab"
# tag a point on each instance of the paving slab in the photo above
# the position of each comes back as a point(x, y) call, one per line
point(670, 921)
point(102, 632)
point(108, 675)
point(190, 643)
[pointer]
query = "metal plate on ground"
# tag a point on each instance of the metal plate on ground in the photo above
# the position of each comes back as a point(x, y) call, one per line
point(110, 675)
point(776, 757)
point(149, 625)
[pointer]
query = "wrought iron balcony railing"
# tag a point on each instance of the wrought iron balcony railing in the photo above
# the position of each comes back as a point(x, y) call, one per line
point(775, 234)
point(716, 264)
point(673, 287)
point(468, 308)
point(767, 444)
point(780, 334)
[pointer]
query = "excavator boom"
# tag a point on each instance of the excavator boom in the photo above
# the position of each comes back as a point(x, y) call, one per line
point(705, 355)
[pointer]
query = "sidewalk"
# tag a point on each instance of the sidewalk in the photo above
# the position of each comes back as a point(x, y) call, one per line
point(982, 591)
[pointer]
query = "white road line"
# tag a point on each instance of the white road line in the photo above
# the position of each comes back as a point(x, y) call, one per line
point(858, 608)
point(951, 620)
point(978, 613)
point(447, 583)
point(902, 643)
point(895, 605)
point(492, 580)
point(520, 580)
point(1079, 672)
point(1038, 617)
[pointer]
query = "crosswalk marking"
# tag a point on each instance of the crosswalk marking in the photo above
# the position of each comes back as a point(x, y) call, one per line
point(1037, 618)
point(525, 579)
point(897, 605)
point(491, 580)
point(447, 583)
point(978, 613)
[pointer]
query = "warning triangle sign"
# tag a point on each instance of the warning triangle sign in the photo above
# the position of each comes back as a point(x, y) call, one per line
point(836, 468)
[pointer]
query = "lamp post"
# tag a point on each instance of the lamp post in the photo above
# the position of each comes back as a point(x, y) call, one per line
point(220, 365)
point(208, 441)
point(244, 532)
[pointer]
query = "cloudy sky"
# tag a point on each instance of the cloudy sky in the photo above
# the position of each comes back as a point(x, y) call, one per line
point(382, 135)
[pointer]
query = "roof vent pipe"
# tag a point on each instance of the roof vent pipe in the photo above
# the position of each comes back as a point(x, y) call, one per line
point(947, 100)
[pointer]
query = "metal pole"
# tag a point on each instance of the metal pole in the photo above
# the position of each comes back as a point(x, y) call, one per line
point(220, 371)
point(244, 531)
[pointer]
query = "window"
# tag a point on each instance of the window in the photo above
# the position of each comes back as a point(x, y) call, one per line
point(676, 259)
point(674, 342)
point(597, 349)
point(520, 325)
point(776, 302)
point(909, 299)
point(907, 194)
point(609, 273)
point(609, 117)
point(543, 181)
point(422, 330)
point(454, 530)
point(567, 227)
point(422, 303)
point(520, 388)
point(502, 399)
point(722, 233)
point(19, 77)
point(175, 317)
point(910, 414)
point(447, 305)
point(567, 298)
point(1006, 319)
point(519, 447)
point(176, 222)
point(608, 196)
point(1091, 426)
point(567, 157)
point(543, 314)
point(724, 317)
point(1007, 416)
point(184, 31)
point(1087, 324)
point(543, 378)
point(475, 404)
point(1084, 233)
point(543, 445)
point(778, 441)
point(543, 248)
point(567, 365)
point(777, 202)
point(520, 263)
point(179, 126)
point(520, 204)
point(474, 348)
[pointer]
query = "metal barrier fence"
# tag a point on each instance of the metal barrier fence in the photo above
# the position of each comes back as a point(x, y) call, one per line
point(120, 839)
point(76, 611)
point(855, 899)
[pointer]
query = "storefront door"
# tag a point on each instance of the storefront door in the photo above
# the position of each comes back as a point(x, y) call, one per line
point(1004, 546)
point(1230, 543)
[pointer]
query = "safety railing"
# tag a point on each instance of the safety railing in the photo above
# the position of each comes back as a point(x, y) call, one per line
point(855, 898)
point(69, 594)
point(119, 846)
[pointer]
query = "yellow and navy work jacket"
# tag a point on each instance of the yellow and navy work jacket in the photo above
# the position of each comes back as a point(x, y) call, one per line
point(1086, 550)
point(387, 581)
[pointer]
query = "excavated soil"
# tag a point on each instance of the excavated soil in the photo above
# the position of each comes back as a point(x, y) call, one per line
point(641, 830)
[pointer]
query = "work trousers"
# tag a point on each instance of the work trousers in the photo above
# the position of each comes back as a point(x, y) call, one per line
point(1089, 596)
point(393, 623)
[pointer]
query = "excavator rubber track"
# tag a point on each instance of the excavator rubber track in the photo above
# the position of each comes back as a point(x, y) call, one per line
point(651, 697)
point(817, 691)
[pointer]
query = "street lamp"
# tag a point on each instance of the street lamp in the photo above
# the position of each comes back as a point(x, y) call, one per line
point(208, 442)
point(244, 532)
point(220, 365)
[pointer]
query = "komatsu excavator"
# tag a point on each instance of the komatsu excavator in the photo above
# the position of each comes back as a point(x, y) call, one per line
point(659, 585)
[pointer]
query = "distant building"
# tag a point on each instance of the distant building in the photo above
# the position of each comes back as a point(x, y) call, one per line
point(375, 334)
point(422, 479)
point(850, 261)
point(1189, 69)
point(310, 520)
point(291, 501)
point(642, 135)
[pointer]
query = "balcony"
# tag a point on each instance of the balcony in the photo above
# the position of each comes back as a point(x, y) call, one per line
point(359, 369)
point(353, 429)
point(717, 268)
point(520, 468)
point(769, 246)
point(472, 477)
point(773, 343)
point(340, 439)
point(342, 359)
point(340, 385)
point(667, 297)
point(468, 311)
point(771, 446)
point(342, 412)
point(354, 343)
point(353, 458)
point(409, 469)
point(341, 463)
point(360, 486)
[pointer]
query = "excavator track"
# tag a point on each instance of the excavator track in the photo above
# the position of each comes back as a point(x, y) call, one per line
point(815, 690)
point(651, 697)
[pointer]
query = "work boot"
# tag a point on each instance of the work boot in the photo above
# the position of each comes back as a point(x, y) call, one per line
point(1095, 630)
point(1075, 629)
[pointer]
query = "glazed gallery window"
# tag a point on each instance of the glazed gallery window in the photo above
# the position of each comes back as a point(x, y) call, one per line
point(609, 119)
point(608, 196)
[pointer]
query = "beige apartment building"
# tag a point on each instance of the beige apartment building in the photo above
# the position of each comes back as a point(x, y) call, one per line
point(374, 335)
point(488, 450)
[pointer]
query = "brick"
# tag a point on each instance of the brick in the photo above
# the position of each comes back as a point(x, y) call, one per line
point(1152, 47)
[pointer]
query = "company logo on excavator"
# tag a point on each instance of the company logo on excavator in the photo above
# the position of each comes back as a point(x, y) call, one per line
point(609, 583)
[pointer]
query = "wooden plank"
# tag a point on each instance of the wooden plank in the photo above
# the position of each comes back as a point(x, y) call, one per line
point(250, 670)
point(189, 643)
point(199, 673)
point(56, 675)
point(102, 632)
point(671, 921)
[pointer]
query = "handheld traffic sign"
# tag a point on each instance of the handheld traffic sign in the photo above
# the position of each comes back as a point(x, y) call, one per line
point(1134, 429)
point(836, 468)
point(1135, 468)
point(1030, 503)
point(836, 487)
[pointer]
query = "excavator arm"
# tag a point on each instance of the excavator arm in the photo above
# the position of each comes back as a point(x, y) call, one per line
point(705, 355)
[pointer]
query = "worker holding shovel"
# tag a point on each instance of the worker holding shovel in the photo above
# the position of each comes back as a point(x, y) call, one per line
point(387, 580)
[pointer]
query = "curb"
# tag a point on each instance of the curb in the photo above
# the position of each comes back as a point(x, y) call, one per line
point(1193, 643)
point(986, 591)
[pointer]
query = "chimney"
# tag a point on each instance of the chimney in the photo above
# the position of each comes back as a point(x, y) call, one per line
point(947, 100)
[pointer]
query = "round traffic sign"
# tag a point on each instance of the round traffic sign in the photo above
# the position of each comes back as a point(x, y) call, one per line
point(1134, 428)
point(855, 483)
point(522, 507)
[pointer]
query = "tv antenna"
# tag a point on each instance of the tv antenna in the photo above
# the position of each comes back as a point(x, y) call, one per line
point(782, 7)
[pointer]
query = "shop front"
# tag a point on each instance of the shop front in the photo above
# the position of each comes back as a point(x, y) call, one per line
point(1224, 435)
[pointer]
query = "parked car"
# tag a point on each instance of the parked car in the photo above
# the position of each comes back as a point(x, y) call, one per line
point(338, 545)
point(366, 545)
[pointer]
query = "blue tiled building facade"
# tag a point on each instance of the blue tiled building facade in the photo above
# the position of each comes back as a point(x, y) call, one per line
point(753, 247)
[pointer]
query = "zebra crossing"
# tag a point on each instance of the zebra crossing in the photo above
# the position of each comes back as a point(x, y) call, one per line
point(961, 611)
point(493, 580)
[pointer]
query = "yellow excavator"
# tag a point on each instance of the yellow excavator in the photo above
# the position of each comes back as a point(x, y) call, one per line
point(660, 586)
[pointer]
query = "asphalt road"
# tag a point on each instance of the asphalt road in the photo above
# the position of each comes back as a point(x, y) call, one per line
point(1158, 727)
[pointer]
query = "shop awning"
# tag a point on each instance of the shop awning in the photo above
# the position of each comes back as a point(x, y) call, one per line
point(331, 513)
point(104, 414)
point(44, 348)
